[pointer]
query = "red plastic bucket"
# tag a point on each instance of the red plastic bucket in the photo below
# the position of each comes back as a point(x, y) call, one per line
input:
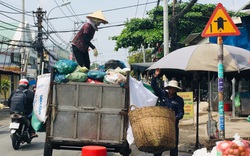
point(227, 107)
point(94, 151)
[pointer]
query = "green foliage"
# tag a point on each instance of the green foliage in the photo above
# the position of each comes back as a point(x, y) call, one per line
point(148, 31)
point(139, 32)
point(137, 57)
point(4, 87)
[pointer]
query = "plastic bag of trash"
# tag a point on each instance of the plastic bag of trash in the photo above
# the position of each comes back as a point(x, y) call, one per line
point(65, 66)
point(81, 69)
point(96, 75)
point(114, 78)
point(36, 124)
point(237, 100)
point(77, 77)
point(59, 78)
point(201, 152)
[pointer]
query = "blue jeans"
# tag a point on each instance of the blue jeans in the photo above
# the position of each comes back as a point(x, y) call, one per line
point(174, 151)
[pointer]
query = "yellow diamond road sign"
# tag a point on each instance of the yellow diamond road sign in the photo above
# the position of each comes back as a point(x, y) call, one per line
point(220, 24)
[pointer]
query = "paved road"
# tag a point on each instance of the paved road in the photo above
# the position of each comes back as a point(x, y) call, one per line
point(33, 149)
point(37, 145)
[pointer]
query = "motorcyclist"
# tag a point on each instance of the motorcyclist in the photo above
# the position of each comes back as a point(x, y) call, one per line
point(28, 108)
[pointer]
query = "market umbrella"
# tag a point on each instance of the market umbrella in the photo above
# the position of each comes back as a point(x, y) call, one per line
point(204, 58)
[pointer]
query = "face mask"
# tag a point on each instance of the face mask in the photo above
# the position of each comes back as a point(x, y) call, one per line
point(97, 22)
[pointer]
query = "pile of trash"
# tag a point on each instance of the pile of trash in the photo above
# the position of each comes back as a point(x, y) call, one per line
point(237, 147)
point(113, 72)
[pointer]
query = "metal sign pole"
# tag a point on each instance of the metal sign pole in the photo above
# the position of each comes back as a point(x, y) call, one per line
point(220, 90)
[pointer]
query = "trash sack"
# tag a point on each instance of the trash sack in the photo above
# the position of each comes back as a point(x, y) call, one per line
point(113, 64)
point(93, 81)
point(36, 124)
point(237, 101)
point(101, 68)
point(77, 77)
point(41, 97)
point(81, 69)
point(140, 96)
point(201, 152)
point(65, 66)
point(59, 78)
point(96, 75)
point(114, 78)
point(248, 118)
point(148, 87)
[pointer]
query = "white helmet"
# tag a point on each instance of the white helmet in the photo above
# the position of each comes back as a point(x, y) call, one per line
point(23, 82)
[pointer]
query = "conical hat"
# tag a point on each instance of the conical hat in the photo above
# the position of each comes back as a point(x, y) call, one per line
point(98, 15)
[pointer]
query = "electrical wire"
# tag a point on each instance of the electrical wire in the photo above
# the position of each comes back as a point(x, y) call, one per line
point(15, 19)
point(108, 10)
point(15, 28)
point(145, 9)
point(136, 8)
point(14, 8)
point(72, 12)
point(63, 11)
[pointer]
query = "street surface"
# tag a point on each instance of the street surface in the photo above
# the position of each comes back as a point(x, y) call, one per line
point(33, 149)
point(37, 144)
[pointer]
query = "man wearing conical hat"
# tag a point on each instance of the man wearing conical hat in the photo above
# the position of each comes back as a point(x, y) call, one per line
point(81, 41)
point(171, 100)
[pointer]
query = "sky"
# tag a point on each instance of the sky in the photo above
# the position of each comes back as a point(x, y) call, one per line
point(71, 16)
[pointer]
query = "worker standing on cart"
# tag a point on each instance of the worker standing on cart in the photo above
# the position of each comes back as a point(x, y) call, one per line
point(81, 42)
point(171, 100)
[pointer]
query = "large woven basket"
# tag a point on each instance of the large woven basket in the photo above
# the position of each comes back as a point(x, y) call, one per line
point(153, 128)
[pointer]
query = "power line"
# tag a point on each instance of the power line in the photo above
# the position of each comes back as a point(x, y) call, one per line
point(14, 8)
point(72, 12)
point(15, 19)
point(108, 10)
point(63, 11)
point(136, 8)
point(145, 9)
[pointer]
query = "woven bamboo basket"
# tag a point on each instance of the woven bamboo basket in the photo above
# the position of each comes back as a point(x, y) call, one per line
point(153, 128)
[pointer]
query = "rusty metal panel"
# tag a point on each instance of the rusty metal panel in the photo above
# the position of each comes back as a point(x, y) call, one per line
point(111, 127)
point(87, 125)
point(64, 124)
point(113, 97)
point(66, 94)
point(89, 95)
point(89, 112)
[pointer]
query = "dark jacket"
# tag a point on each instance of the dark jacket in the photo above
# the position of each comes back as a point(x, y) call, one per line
point(83, 38)
point(176, 102)
point(29, 100)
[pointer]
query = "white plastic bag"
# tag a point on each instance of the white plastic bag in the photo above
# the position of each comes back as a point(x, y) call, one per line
point(140, 97)
point(41, 97)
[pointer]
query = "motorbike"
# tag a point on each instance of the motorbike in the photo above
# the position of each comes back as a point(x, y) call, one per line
point(19, 130)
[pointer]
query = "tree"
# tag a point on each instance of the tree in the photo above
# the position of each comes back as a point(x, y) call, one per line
point(137, 57)
point(184, 19)
point(4, 87)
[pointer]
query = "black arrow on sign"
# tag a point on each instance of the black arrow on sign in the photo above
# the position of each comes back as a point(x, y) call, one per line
point(220, 22)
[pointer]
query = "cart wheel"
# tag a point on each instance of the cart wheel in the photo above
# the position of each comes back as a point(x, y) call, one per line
point(48, 149)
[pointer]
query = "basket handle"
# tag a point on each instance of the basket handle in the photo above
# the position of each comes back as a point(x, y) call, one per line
point(132, 106)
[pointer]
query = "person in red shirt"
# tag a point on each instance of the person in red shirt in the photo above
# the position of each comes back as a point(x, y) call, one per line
point(81, 41)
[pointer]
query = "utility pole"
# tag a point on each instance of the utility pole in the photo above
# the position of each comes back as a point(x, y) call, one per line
point(23, 68)
point(165, 29)
point(39, 14)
